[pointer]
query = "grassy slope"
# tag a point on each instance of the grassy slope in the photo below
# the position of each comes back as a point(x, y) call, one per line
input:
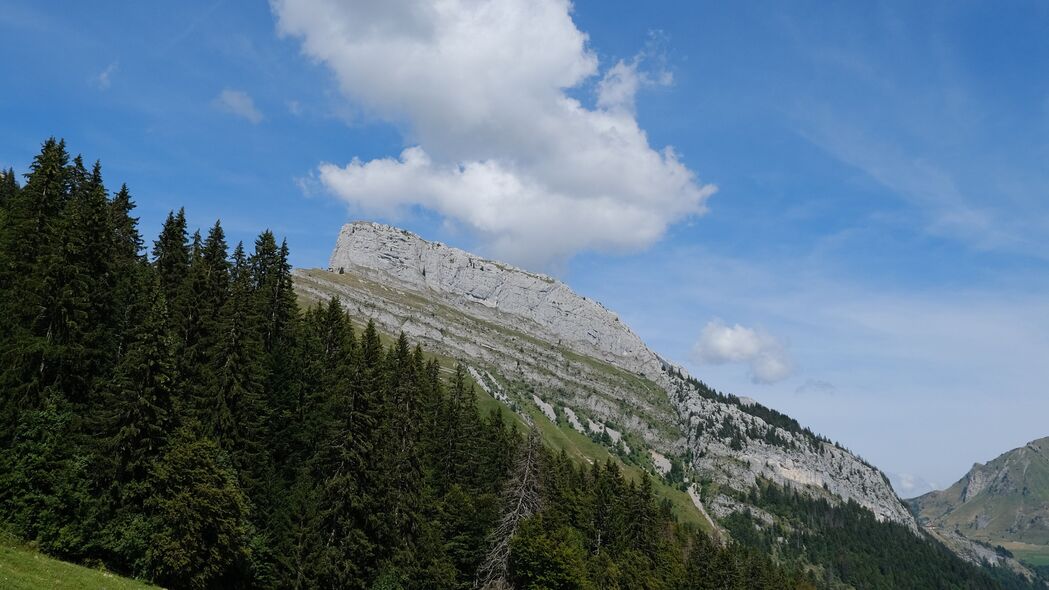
point(563, 437)
point(24, 569)
point(1032, 554)
point(1011, 510)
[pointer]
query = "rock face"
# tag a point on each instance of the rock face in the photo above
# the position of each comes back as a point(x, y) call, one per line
point(387, 253)
point(737, 448)
point(1004, 501)
point(533, 342)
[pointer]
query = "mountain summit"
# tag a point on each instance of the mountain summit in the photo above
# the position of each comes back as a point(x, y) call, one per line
point(539, 347)
point(1005, 501)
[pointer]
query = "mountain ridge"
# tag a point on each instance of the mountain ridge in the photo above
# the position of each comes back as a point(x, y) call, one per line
point(537, 342)
point(1003, 501)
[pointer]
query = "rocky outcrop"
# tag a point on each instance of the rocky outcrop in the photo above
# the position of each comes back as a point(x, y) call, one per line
point(492, 289)
point(737, 448)
point(533, 342)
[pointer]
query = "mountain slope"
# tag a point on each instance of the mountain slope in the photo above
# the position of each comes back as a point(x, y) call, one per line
point(25, 569)
point(1005, 501)
point(534, 344)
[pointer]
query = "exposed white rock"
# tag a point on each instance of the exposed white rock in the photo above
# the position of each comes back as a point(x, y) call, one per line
point(531, 329)
point(581, 324)
point(489, 384)
point(573, 420)
point(614, 435)
point(693, 494)
point(660, 461)
point(545, 408)
point(799, 460)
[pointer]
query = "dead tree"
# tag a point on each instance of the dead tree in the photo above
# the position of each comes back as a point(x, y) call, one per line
point(522, 500)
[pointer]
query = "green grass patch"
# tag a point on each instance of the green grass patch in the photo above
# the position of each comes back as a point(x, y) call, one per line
point(22, 568)
point(1037, 555)
point(558, 437)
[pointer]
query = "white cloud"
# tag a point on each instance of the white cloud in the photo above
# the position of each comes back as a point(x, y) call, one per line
point(239, 103)
point(498, 145)
point(766, 357)
point(105, 78)
point(907, 485)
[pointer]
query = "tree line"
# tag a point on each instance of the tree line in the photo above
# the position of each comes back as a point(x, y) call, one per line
point(178, 417)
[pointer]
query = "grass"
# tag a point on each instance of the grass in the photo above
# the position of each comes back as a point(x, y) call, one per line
point(1028, 553)
point(22, 568)
point(581, 448)
point(558, 437)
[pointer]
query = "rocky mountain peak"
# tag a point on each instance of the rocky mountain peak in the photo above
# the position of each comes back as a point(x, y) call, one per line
point(574, 321)
point(539, 347)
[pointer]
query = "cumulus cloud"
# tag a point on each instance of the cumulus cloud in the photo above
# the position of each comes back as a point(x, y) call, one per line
point(498, 144)
point(239, 103)
point(766, 357)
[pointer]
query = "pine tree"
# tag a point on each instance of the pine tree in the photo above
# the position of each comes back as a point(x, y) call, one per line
point(200, 533)
point(9, 188)
point(236, 407)
point(131, 274)
point(139, 399)
point(171, 256)
point(522, 500)
point(27, 238)
point(279, 315)
point(401, 435)
point(71, 324)
point(200, 301)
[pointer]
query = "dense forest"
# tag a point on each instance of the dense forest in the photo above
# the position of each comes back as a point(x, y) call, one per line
point(177, 417)
point(853, 548)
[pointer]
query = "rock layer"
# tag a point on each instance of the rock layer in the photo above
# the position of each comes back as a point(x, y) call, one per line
point(535, 342)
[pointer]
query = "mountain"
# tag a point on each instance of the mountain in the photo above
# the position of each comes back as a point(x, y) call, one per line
point(1003, 502)
point(533, 343)
point(744, 471)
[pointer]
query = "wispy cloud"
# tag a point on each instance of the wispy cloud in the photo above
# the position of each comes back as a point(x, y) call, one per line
point(816, 387)
point(105, 78)
point(239, 103)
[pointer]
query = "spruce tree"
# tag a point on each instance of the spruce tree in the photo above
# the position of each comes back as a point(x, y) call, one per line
point(139, 398)
point(171, 256)
point(200, 301)
point(29, 234)
point(70, 327)
point(200, 532)
point(236, 409)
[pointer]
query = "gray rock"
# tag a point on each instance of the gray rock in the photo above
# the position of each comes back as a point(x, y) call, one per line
point(530, 333)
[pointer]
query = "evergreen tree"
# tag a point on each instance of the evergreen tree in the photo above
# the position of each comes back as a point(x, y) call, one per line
point(134, 423)
point(139, 400)
point(235, 405)
point(70, 327)
point(171, 256)
point(200, 531)
point(27, 237)
point(202, 297)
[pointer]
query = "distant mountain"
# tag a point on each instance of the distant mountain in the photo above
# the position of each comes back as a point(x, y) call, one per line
point(1004, 502)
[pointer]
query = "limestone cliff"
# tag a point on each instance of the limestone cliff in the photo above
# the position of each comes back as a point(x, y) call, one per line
point(534, 343)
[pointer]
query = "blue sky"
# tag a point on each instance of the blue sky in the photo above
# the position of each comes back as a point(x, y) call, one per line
point(874, 258)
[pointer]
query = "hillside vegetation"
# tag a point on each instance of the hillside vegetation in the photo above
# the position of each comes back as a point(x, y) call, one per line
point(181, 419)
point(22, 568)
